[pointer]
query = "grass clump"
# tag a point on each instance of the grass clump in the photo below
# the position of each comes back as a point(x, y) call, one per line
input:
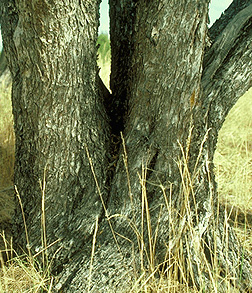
point(22, 274)
point(25, 273)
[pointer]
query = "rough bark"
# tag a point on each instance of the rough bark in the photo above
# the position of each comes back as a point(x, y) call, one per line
point(170, 106)
point(3, 62)
point(235, 7)
point(5, 75)
point(227, 67)
point(161, 93)
point(51, 49)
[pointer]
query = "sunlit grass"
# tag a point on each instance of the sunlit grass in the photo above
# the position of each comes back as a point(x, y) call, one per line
point(6, 134)
point(26, 273)
point(6, 152)
point(233, 157)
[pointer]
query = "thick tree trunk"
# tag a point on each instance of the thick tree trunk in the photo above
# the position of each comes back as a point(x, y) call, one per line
point(51, 50)
point(170, 101)
point(157, 185)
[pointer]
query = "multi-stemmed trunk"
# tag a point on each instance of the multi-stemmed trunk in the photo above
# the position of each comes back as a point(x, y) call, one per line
point(137, 164)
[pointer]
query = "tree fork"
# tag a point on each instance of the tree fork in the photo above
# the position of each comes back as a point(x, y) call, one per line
point(162, 86)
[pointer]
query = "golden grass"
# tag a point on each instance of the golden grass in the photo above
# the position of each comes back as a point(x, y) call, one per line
point(7, 142)
point(25, 273)
point(233, 157)
point(177, 271)
point(7, 139)
point(20, 274)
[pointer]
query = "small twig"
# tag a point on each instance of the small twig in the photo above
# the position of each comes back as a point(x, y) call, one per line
point(102, 201)
point(92, 253)
point(25, 226)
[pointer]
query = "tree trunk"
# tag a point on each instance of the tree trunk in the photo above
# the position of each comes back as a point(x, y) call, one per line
point(3, 62)
point(51, 50)
point(150, 190)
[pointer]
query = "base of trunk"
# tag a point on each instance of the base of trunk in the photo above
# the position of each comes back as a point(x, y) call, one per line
point(212, 261)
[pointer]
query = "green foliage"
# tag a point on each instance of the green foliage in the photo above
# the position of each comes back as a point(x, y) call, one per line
point(104, 56)
point(103, 44)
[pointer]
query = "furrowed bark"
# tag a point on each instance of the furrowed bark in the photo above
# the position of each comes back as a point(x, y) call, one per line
point(163, 81)
point(159, 190)
point(227, 66)
point(51, 48)
point(234, 8)
point(158, 110)
point(226, 77)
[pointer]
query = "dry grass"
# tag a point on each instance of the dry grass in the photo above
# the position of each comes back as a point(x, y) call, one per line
point(7, 139)
point(177, 271)
point(185, 251)
point(233, 157)
point(24, 273)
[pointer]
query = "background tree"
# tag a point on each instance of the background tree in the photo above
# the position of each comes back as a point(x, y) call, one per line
point(171, 94)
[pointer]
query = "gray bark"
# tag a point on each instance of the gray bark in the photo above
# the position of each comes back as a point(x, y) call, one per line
point(3, 62)
point(170, 93)
point(227, 65)
point(51, 49)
